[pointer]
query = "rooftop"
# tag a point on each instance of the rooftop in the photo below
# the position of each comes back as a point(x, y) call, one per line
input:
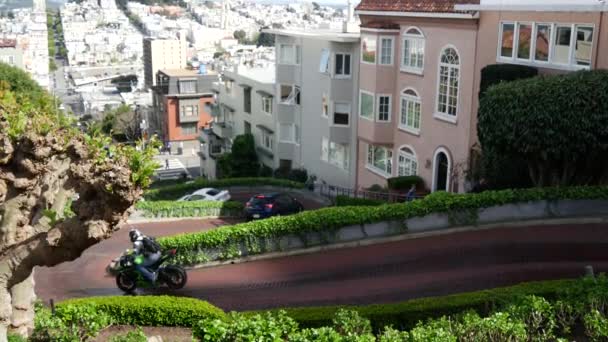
point(414, 6)
point(259, 73)
point(536, 5)
point(185, 72)
point(332, 35)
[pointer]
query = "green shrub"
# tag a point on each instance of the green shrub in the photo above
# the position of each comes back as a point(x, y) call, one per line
point(440, 330)
point(175, 191)
point(260, 327)
point(497, 73)
point(150, 310)
point(596, 326)
point(407, 314)
point(538, 315)
point(404, 183)
point(343, 201)
point(71, 323)
point(560, 138)
point(190, 208)
point(331, 219)
point(132, 336)
point(16, 338)
point(350, 323)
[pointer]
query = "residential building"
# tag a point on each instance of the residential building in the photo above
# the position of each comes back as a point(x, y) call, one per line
point(10, 54)
point(162, 54)
point(180, 100)
point(317, 97)
point(245, 104)
point(554, 36)
point(417, 74)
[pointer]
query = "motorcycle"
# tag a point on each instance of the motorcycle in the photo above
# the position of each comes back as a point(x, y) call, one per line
point(128, 279)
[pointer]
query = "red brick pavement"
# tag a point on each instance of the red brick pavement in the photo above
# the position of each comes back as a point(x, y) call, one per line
point(378, 273)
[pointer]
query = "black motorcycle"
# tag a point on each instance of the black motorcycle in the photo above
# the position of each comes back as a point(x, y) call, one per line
point(128, 279)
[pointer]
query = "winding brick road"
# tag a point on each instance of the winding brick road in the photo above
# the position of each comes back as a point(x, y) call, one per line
point(371, 274)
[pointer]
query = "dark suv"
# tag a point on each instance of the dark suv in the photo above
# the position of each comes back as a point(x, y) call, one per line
point(273, 204)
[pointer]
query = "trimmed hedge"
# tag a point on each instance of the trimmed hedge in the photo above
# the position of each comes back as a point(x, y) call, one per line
point(405, 182)
point(175, 191)
point(150, 310)
point(334, 218)
point(343, 201)
point(497, 73)
point(190, 208)
point(406, 315)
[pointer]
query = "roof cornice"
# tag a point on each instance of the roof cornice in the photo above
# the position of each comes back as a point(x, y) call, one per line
point(420, 14)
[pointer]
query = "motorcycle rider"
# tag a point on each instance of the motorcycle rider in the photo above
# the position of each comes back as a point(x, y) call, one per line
point(146, 247)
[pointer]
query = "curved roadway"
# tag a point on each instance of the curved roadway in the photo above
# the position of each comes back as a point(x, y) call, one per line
point(385, 272)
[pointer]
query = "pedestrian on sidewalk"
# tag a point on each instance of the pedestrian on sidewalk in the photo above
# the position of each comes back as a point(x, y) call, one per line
point(169, 147)
point(411, 195)
point(166, 164)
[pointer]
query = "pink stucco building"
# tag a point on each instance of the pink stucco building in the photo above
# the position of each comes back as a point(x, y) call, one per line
point(420, 71)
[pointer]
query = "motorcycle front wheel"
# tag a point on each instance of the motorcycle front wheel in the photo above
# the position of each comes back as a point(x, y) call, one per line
point(126, 282)
point(175, 277)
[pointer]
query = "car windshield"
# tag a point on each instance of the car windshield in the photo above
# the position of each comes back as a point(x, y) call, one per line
point(213, 192)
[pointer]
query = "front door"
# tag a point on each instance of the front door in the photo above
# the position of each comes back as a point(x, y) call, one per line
point(441, 172)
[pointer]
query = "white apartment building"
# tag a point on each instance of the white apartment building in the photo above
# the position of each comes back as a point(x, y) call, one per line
point(161, 54)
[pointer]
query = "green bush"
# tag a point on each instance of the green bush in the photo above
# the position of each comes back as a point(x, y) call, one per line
point(132, 336)
point(260, 327)
point(175, 191)
point(71, 323)
point(16, 338)
point(596, 325)
point(150, 310)
point(497, 73)
point(404, 183)
point(343, 201)
point(407, 314)
point(560, 138)
point(190, 208)
point(328, 220)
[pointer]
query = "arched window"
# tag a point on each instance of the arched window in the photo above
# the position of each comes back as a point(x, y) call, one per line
point(449, 76)
point(413, 50)
point(408, 164)
point(410, 111)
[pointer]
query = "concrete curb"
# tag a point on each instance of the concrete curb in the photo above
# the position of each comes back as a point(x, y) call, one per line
point(407, 236)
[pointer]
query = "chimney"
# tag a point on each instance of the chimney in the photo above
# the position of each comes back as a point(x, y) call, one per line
point(349, 22)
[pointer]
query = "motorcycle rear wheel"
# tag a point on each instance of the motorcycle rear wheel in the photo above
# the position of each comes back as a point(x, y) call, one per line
point(175, 277)
point(126, 282)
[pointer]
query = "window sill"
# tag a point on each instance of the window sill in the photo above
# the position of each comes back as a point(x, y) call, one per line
point(377, 171)
point(446, 118)
point(366, 118)
point(412, 131)
point(542, 64)
point(340, 77)
point(419, 72)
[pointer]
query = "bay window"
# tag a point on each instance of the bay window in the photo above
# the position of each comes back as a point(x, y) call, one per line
point(289, 54)
point(334, 153)
point(342, 65)
point(368, 49)
point(407, 163)
point(341, 114)
point(366, 105)
point(413, 51)
point(386, 50)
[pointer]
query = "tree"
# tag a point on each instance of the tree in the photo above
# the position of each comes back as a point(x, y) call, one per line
point(240, 35)
point(265, 39)
point(316, 6)
point(556, 125)
point(242, 161)
point(44, 161)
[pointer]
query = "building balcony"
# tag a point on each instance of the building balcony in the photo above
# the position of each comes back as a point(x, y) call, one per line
point(375, 132)
point(287, 113)
point(222, 130)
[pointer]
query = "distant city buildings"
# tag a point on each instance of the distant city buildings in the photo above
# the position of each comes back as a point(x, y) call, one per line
point(10, 53)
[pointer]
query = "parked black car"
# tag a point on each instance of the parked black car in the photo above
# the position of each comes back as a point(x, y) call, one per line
point(273, 204)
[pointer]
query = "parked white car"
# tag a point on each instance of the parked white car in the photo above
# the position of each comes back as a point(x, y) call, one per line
point(207, 194)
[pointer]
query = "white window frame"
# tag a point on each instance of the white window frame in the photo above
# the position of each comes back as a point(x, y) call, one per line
point(517, 29)
point(388, 160)
point(390, 107)
point(350, 65)
point(407, 155)
point(381, 54)
point(374, 37)
point(333, 112)
point(293, 88)
point(291, 129)
point(267, 102)
point(342, 165)
point(415, 99)
point(550, 63)
point(266, 137)
point(325, 61)
point(294, 59)
point(373, 113)
point(417, 40)
point(440, 115)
